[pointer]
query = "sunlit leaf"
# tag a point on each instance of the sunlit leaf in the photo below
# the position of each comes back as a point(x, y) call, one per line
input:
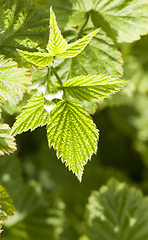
point(76, 47)
point(99, 57)
point(32, 116)
point(37, 58)
point(7, 144)
point(24, 25)
point(93, 87)
point(123, 20)
point(73, 134)
point(13, 80)
point(117, 212)
point(57, 44)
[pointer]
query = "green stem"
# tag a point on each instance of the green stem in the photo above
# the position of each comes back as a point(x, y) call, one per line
point(88, 14)
point(57, 76)
point(60, 82)
point(49, 82)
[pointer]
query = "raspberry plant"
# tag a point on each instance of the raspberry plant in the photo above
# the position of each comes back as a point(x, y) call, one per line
point(70, 129)
point(58, 79)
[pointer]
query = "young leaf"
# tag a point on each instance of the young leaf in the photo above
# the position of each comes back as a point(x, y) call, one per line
point(13, 80)
point(123, 20)
point(75, 48)
point(24, 25)
point(7, 144)
point(117, 212)
point(100, 52)
point(57, 44)
point(32, 116)
point(73, 134)
point(37, 58)
point(93, 87)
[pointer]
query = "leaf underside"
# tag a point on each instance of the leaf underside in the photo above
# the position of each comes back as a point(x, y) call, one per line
point(32, 116)
point(73, 134)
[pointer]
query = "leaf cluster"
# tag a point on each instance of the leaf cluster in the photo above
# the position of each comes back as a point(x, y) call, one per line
point(56, 68)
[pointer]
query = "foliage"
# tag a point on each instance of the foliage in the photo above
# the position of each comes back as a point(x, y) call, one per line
point(70, 145)
point(62, 65)
point(6, 206)
point(117, 212)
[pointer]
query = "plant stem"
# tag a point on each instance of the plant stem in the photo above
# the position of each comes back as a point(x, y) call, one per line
point(60, 82)
point(88, 14)
point(57, 76)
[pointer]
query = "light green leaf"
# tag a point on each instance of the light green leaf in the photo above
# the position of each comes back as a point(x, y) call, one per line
point(93, 87)
point(32, 116)
point(73, 134)
point(24, 25)
point(123, 20)
point(13, 105)
point(117, 212)
point(13, 80)
point(57, 44)
point(76, 47)
point(37, 58)
point(6, 204)
point(7, 144)
point(99, 57)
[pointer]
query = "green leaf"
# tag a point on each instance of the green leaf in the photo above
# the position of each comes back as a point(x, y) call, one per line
point(7, 144)
point(25, 196)
point(37, 58)
point(32, 116)
point(24, 25)
point(57, 44)
point(69, 13)
point(117, 212)
point(73, 134)
point(6, 204)
point(76, 47)
point(123, 20)
point(33, 214)
point(94, 87)
point(46, 222)
point(13, 80)
point(99, 53)
point(13, 105)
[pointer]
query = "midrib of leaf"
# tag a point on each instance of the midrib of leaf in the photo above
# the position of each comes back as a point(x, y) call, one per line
point(84, 124)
